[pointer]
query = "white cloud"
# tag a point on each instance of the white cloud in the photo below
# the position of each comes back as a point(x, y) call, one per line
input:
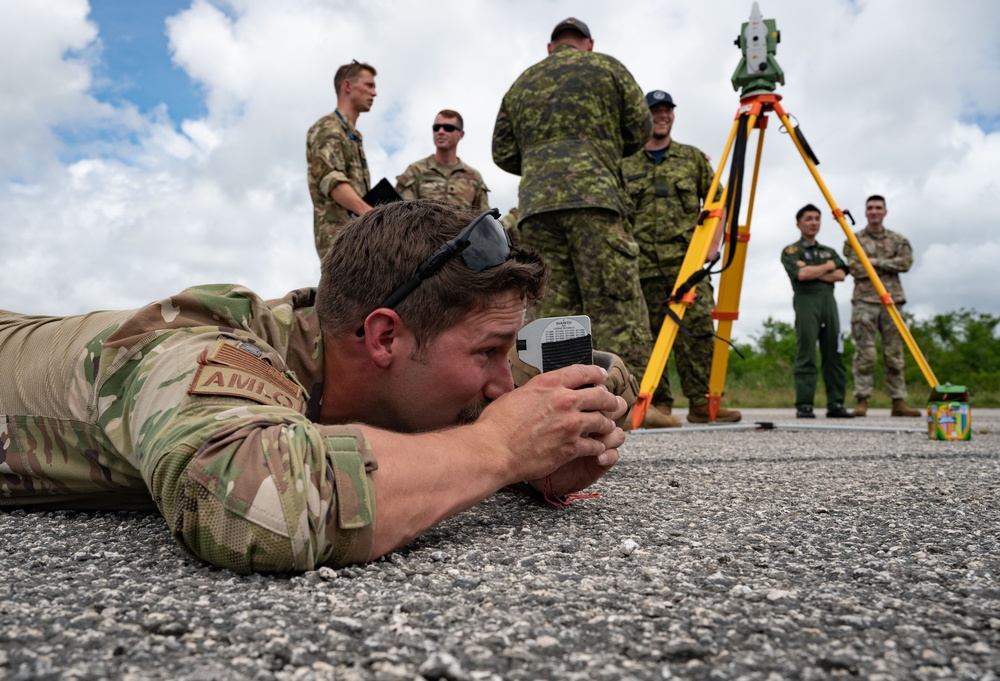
point(888, 93)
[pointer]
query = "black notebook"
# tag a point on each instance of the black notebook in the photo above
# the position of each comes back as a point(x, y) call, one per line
point(383, 192)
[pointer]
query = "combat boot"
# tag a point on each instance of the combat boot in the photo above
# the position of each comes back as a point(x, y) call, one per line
point(861, 408)
point(899, 408)
point(699, 414)
point(656, 418)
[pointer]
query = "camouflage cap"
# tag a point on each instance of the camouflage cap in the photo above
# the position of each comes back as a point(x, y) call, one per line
point(659, 97)
point(571, 24)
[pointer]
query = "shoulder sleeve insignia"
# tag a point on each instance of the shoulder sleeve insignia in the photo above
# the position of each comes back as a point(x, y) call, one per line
point(235, 369)
point(791, 250)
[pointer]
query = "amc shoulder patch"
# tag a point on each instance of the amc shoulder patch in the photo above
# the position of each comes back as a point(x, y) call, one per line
point(792, 249)
point(235, 369)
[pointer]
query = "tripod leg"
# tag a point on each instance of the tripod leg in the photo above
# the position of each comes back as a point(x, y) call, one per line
point(727, 308)
point(884, 295)
point(694, 260)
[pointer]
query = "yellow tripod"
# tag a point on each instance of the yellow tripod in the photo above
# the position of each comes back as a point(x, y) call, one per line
point(752, 114)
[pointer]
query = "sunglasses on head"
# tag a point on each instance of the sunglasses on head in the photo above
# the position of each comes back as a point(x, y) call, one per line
point(483, 244)
point(447, 126)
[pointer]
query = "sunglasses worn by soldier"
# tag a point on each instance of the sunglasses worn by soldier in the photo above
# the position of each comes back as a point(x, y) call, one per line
point(483, 244)
point(448, 127)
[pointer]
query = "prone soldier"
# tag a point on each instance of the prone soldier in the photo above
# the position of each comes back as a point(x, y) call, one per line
point(323, 428)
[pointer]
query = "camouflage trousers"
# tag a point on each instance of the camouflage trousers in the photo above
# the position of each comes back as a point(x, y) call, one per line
point(692, 355)
point(868, 319)
point(593, 270)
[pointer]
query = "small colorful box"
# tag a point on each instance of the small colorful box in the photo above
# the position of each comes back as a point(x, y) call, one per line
point(948, 414)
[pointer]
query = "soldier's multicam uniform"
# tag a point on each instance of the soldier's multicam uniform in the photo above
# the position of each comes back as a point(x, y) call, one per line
point(869, 317)
point(335, 153)
point(816, 320)
point(204, 404)
point(564, 126)
point(668, 196)
point(460, 184)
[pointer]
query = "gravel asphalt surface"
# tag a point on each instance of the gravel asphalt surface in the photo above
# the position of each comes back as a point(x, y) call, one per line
point(792, 553)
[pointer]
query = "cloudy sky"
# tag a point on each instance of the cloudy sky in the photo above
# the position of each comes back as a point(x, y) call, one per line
point(149, 146)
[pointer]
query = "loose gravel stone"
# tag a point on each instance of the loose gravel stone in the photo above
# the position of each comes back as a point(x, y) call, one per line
point(734, 555)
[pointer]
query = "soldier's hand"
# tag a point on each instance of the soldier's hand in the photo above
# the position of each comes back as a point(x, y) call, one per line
point(552, 421)
point(620, 381)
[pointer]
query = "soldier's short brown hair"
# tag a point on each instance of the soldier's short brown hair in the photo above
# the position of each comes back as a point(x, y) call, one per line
point(351, 72)
point(375, 253)
point(875, 197)
point(451, 113)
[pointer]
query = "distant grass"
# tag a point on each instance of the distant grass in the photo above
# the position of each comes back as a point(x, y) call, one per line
point(961, 348)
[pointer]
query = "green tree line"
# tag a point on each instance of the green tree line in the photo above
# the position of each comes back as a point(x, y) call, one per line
point(961, 347)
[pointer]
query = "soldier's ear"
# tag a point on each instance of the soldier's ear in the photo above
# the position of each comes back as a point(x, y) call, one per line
point(385, 336)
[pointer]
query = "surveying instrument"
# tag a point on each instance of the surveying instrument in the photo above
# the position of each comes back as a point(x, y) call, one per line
point(756, 78)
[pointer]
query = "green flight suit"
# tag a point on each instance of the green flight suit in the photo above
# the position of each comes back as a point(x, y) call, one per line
point(816, 320)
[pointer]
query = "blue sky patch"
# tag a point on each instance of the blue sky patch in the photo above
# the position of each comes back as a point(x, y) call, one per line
point(135, 59)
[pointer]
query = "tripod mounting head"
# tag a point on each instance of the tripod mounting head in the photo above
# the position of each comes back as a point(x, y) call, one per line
point(758, 70)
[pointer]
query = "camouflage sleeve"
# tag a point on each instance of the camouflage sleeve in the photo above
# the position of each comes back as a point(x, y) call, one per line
point(854, 266)
point(705, 176)
point(506, 152)
point(636, 123)
point(902, 257)
point(406, 184)
point(482, 201)
point(329, 160)
point(242, 481)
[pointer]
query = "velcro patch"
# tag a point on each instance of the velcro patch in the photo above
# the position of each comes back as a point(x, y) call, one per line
point(233, 372)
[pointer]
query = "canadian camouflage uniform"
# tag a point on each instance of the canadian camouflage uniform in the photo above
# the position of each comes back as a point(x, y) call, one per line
point(869, 317)
point(816, 320)
point(203, 405)
point(460, 184)
point(564, 126)
point(335, 154)
point(668, 197)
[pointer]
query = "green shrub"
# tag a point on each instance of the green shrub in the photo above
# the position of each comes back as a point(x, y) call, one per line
point(960, 347)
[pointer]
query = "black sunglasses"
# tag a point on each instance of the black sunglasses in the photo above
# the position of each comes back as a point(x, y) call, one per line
point(447, 126)
point(483, 243)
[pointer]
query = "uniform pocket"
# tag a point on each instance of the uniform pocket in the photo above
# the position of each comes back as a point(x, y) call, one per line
point(687, 194)
point(621, 271)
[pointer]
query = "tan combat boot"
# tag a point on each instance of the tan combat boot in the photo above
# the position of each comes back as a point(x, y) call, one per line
point(657, 418)
point(899, 408)
point(861, 408)
point(699, 414)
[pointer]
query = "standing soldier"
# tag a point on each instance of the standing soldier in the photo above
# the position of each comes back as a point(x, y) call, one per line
point(335, 154)
point(814, 269)
point(668, 182)
point(442, 175)
point(564, 127)
point(889, 253)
